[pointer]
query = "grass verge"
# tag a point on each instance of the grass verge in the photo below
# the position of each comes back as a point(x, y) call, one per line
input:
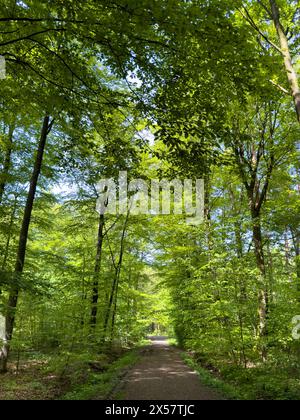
point(226, 391)
point(265, 382)
point(100, 386)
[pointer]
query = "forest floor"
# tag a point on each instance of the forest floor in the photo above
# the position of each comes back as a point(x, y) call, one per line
point(75, 377)
point(161, 374)
point(156, 371)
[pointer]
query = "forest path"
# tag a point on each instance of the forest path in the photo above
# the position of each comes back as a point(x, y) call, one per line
point(162, 375)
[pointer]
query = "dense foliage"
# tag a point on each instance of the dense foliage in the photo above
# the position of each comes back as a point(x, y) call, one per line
point(161, 89)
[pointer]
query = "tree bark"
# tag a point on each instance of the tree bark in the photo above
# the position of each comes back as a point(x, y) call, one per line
point(270, 274)
point(296, 245)
point(95, 291)
point(298, 270)
point(113, 294)
point(110, 304)
point(263, 295)
point(288, 63)
point(9, 234)
point(21, 253)
point(256, 197)
point(7, 161)
point(114, 311)
point(238, 238)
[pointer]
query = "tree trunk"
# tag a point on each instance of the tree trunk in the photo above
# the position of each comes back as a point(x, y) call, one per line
point(21, 253)
point(110, 303)
point(271, 274)
point(114, 312)
point(296, 245)
point(95, 292)
point(9, 234)
point(284, 46)
point(263, 295)
point(238, 240)
point(83, 292)
point(7, 161)
point(286, 250)
point(298, 270)
point(113, 295)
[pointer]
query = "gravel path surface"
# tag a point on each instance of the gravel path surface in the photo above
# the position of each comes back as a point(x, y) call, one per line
point(162, 375)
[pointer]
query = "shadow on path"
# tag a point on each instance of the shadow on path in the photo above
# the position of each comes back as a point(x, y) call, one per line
point(162, 375)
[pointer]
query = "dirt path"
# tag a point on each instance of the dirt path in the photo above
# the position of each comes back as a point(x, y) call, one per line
point(162, 375)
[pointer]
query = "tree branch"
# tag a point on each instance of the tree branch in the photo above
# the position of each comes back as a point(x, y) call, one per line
point(249, 19)
point(13, 41)
point(265, 7)
point(280, 87)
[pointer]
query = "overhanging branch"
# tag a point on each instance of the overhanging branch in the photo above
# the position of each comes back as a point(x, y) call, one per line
point(246, 15)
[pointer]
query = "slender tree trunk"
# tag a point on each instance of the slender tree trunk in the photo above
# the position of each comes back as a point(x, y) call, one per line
point(95, 291)
point(271, 274)
point(296, 245)
point(249, 162)
point(242, 291)
point(298, 270)
point(83, 292)
point(111, 301)
point(115, 283)
point(207, 216)
point(240, 287)
point(263, 295)
point(288, 63)
point(286, 249)
point(9, 234)
point(238, 240)
point(21, 253)
point(7, 161)
point(114, 312)
point(207, 210)
point(259, 253)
